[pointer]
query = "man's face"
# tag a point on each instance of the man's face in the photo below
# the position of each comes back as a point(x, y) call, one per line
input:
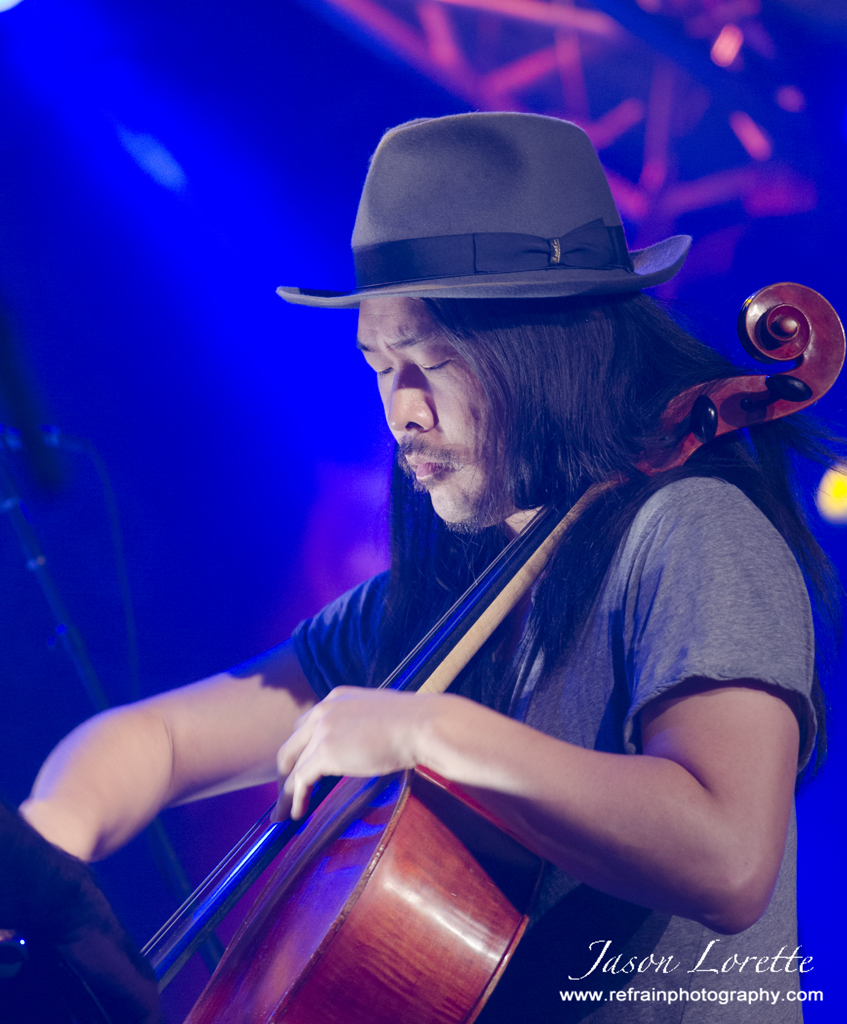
point(436, 410)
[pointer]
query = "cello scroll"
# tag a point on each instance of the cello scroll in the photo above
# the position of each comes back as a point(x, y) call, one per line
point(778, 324)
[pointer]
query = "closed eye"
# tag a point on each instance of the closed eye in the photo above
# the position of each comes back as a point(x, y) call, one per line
point(438, 366)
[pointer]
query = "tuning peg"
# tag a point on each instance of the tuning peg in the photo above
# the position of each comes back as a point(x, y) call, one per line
point(703, 420)
point(788, 388)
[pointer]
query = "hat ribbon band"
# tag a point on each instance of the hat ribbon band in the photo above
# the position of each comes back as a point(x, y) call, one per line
point(592, 246)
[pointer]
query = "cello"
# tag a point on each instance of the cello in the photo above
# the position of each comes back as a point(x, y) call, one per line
point(311, 950)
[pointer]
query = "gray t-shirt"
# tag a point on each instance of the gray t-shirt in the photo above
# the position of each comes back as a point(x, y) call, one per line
point(702, 585)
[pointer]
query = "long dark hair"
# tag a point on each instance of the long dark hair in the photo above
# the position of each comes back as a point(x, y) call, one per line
point(576, 390)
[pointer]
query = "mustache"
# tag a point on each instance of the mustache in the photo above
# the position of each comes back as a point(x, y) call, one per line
point(446, 457)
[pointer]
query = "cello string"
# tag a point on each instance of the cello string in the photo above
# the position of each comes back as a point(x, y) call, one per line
point(208, 882)
point(178, 939)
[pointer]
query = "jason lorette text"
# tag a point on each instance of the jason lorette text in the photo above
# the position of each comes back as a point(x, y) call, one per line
point(709, 963)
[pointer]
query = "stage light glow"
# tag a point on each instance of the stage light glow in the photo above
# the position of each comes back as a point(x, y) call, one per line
point(751, 136)
point(725, 48)
point(152, 157)
point(790, 98)
point(831, 497)
point(7, 5)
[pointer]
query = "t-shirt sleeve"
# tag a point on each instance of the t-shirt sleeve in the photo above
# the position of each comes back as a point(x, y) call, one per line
point(711, 589)
point(335, 646)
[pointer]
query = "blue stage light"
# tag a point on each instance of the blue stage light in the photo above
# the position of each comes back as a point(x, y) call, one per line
point(152, 157)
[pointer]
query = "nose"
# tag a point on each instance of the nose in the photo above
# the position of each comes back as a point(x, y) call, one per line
point(409, 406)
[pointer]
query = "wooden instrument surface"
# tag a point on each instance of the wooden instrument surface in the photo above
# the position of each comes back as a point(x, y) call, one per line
point(783, 323)
point(403, 906)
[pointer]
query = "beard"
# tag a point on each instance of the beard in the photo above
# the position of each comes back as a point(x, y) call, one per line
point(480, 507)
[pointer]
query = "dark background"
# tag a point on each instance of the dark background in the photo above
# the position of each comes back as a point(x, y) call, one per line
point(163, 166)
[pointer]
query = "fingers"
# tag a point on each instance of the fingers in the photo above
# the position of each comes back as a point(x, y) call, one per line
point(303, 784)
point(295, 791)
point(295, 787)
point(307, 723)
point(289, 753)
point(353, 731)
point(282, 810)
point(304, 739)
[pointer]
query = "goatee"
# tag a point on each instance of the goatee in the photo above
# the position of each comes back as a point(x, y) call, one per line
point(490, 508)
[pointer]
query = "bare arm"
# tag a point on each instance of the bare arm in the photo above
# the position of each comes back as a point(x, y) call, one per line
point(108, 778)
point(694, 826)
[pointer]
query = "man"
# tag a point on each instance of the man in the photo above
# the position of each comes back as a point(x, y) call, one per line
point(640, 719)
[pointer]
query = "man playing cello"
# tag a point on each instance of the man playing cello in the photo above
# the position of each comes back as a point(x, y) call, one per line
point(640, 718)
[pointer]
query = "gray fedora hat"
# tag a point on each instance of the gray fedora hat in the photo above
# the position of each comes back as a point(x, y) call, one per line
point(491, 205)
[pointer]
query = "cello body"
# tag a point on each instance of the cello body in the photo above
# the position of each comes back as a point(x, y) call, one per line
point(401, 904)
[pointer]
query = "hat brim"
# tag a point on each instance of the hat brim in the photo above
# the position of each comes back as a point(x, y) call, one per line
point(654, 265)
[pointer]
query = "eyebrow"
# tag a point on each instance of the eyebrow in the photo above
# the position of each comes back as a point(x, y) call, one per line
point(405, 343)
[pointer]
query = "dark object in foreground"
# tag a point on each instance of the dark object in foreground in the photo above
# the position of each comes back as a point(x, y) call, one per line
point(79, 964)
